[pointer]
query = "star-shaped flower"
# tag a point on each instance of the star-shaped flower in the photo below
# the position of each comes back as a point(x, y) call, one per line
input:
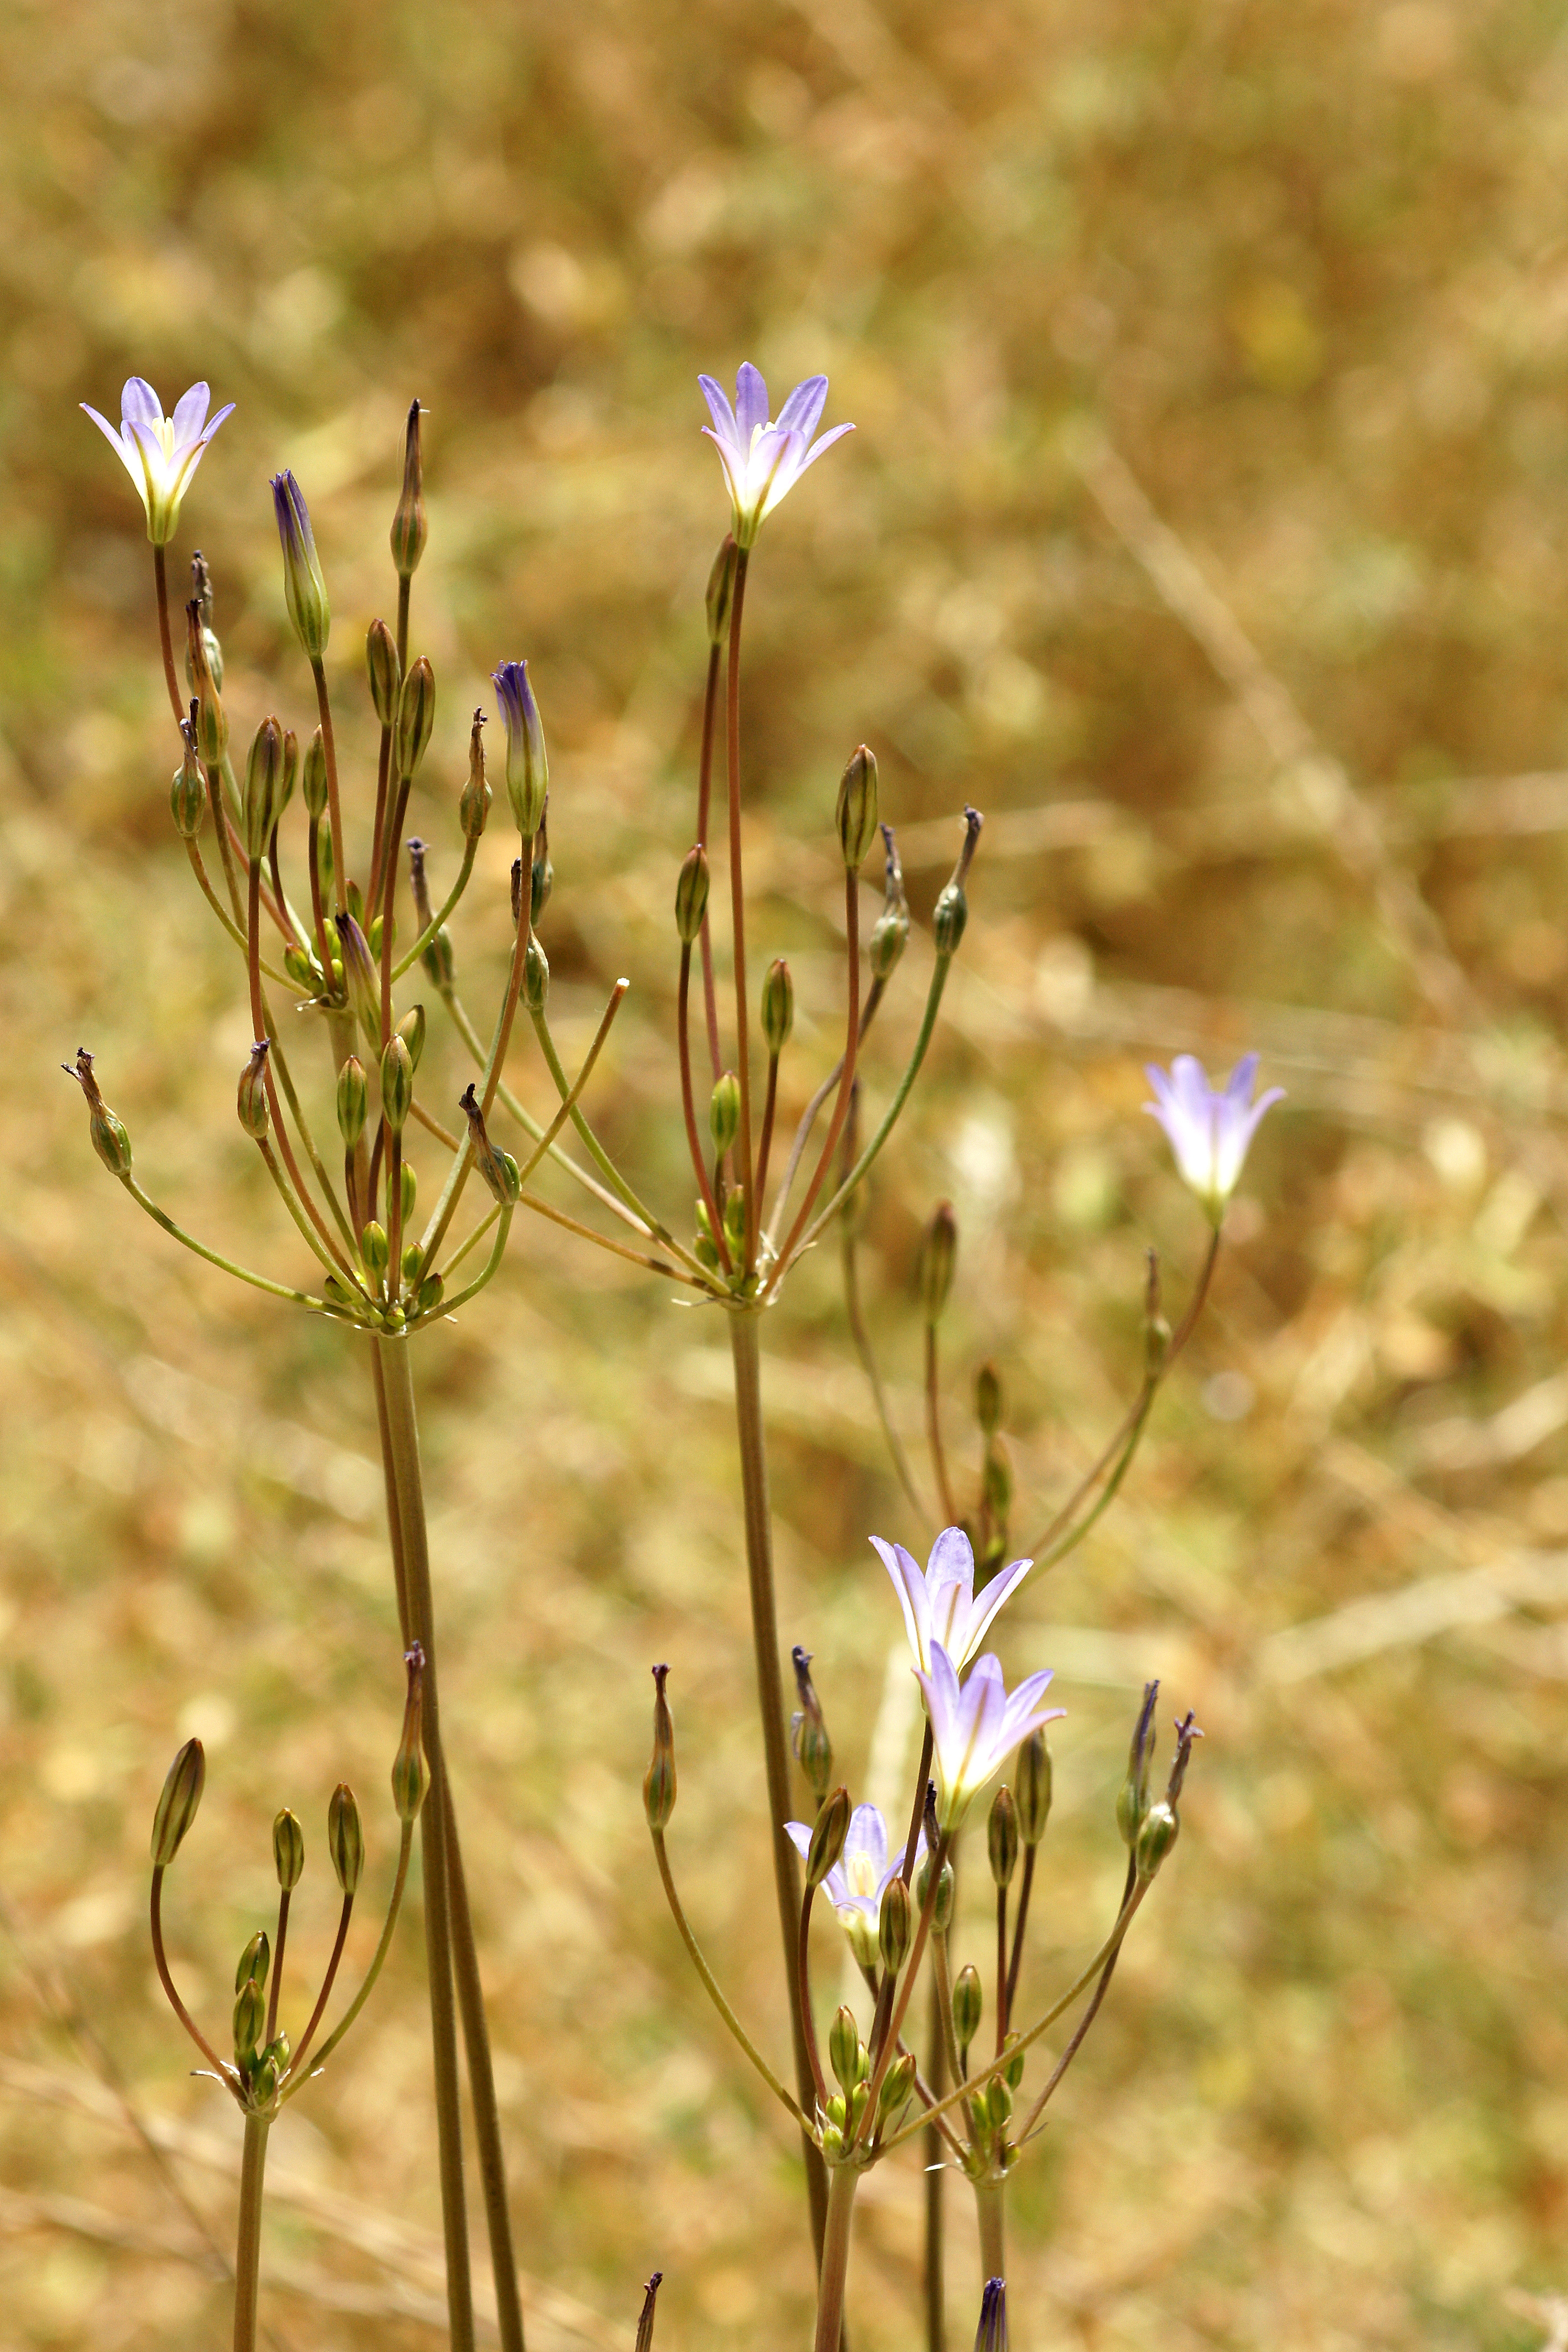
point(975, 1727)
point(942, 1605)
point(1210, 1127)
point(860, 1878)
point(764, 461)
point(159, 453)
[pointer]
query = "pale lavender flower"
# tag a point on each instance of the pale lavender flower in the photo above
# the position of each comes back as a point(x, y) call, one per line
point(860, 1878)
point(942, 1605)
point(764, 461)
point(1210, 1128)
point(159, 453)
point(975, 1727)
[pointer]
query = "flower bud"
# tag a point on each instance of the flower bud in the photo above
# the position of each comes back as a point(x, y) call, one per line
point(254, 1963)
point(808, 1731)
point(967, 2005)
point(345, 1841)
point(431, 1291)
point(988, 1399)
point(410, 1772)
point(893, 1924)
point(778, 1006)
point(827, 1837)
point(535, 976)
point(950, 914)
point(720, 591)
point(249, 2022)
point(182, 1793)
point(263, 788)
point(499, 1168)
point(362, 979)
point(383, 669)
point(409, 1186)
point(541, 874)
point(1002, 1836)
point(212, 721)
point(110, 1139)
point(409, 529)
point(304, 586)
point(938, 1254)
point(691, 895)
point(658, 1781)
point(254, 1115)
point(314, 783)
point(202, 597)
point(352, 1099)
point(1033, 1794)
point(288, 1850)
point(397, 1083)
point(844, 2049)
point(412, 1029)
point(188, 792)
point(1157, 1834)
point(373, 1248)
point(992, 2333)
point(416, 716)
point(891, 931)
point(724, 1112)
point(897, 2083)
point(857, 812)
point(942, 1914)
point(527, 767)
point(1133, 1799)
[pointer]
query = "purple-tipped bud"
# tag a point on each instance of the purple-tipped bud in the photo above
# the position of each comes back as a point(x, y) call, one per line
point(202, 597)
point(181, 1795)
point(383, 670)
point(527, 767)
point(891, 931)
point(968, 2003)
point(397, 1083)
point(950, 916)
point(724, 1112)
point(288, 1850)
point(304, 586)
point(110, 1139)
point(188, 792)
point(857, 812)
point(360, 974)
point(409, 529)
point(212, 721)
point(352, 1101)
point(658, 1781)
point(263, 798)
point(720, 591)
point(691, 896)
point(345, 1841)
point(778, 1006)
point(844, 2049)
point(808, 1731)
point(1032, 1791)
point(992, 2335)
point(255, 1116)
point(410, 1772)
point(827, 1837)
point(894, 1924)
point(474, 801)
point(499, 1168)
point(645, 2325)
point(1002, 1836)
point(416, 716)
point(938, 1254)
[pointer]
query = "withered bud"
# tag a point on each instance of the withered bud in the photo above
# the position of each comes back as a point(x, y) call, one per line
point(202, 586)
point(474, 801)
point(418, 880)
point(188, 792)
point(720, 591)
point(1187, 1731)
point(950, 916)
point(938, 1254)
point(808, 1732)
point(345, 1841)
point(416, 716)
point(1033, 1794)
point(1002, 1836)
point(110, 1139)
point(856, 810)
point(288, 1850)
point(409, 529)
point(1133, 1799)
point(691, 895)
point(410, 1772)
point(181, 1795)
point(385, 671)
point(516, 892)
point(499, 1168)
point(212, 721)
point(542, 875)
point(645, 2325)
point(658, 1781)
point(254, 1114)
point(778, 1006)
point(891, 931)
point(827, 1837)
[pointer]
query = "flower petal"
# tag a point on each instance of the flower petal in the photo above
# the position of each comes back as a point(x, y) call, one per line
point(910, 1586)
point(990, 1600)
point(719, 410)
point(825, 442)
point(190, 413)
point(139, 403)
point(750, 400)
point(867, 1834)
point(804, 407)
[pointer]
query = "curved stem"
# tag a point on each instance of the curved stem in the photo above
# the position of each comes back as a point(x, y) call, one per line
point(155, 1915)
point(1031, 2121)
point(296, 2064)
point(492, 1267)
point(406, 962)
point(710, 1985)
point(595, 1150)
point(214, 1257)
point(247, 2247)
point(808, 1117)
point(802, 1977)
point(297, 2077)
point(192, 851)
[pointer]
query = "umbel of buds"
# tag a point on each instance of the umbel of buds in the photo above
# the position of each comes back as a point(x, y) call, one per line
point(182, 1794)
point(658, 1781)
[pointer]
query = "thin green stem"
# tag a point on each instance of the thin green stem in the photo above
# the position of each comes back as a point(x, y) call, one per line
point(941, 1975)
point(215, 1257)
point(482, 2089)
point(991, 2206)
point(704, 794)
point(406, 962)
point(297, 2077)
point(1015, 1963)
point(1002, 2001)
point(935, 2280)
point(711, 1988)
point(279, 1942)
point(247, 2247)
point(843, 2181)
point(492, 1267)
point(1031, 2123)
point(595, 1150)
point(845, 1081)
point(297, 2063)
point(689, 1109)
point(334, 811)
point(808, 1117)
point(286, 1194)
point(160, 1961)
point(161, 581)
point(803, 1979)
point(192, 851)
point(389, 902)
point(616, 1249)
point(863, 1349)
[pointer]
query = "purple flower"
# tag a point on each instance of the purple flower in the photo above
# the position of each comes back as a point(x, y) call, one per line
point(304, 584)
point(975, 1726)
point(764, 461)
point(527, 766)
point(159, 453)
point(942, 1605)
point(859, 1878)
point(1209, 1130)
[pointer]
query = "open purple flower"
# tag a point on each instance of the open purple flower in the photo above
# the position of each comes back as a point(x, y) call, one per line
point(859, 1878)
point(1210, 1128)
point(764, 461)
point(942, 1605)
point(975, 1726)
point(159, 453)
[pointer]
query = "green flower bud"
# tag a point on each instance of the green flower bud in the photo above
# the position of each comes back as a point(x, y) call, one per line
point(413, 1262)
point(411, 1029)
point(268, 2072)
point(430, 1290)
point(352, 1099)
point(833, 2143)
point(385, 672)
point(254, 1962)
point(967, 2005)
point(724, 1112)
point(249, 2022)
point(408, 525)
point(827, 1837)
point(373, 1248)
point(897, 2083)
point(416, 716)
point(938, 1254)
point(808, 1729)
point(474, 801)
point(410, 1772)
point(211, 722)
point(778, 1006)
point(263, 797)
point(535, 976)
point(408, 1185)
point(288, 1850)
point(893, 1924)
point(1002, 1836)
point(1157, 1834)
point(988, 1399)
point(950, 916)
point(857, 812)
point(998, 2102)
point(942, 1916)
point(313, 786)
point(397, 1083)
point(254, 1114)
point(720, 591)
point(658, 1781)
point(844, 2049)
point(302, 968)
point(891, 931)
point(691, 895)
point(345, 1841)
point(360, 973)
point(188, 792)
point(304, 585)
point(1014, 2074)
point(1032, 1795)
point(181, 1795)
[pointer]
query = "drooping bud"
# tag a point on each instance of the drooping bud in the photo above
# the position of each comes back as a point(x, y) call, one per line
point(416, 716)
point(360, 974)
point(893, 1924)
point(1132, 1799)
point(254, 1114)
point(188, 792)
point(1187, 1731)
point(988, 1399)
point(254, 1962)
point(314, 783)
point(950, 916)
point(249, 2022)
point(691, 895)
point(288, 1850)
point(808, 1731)
point(844, 2049)
point(110, 1139)
point(778, 1006)
point(644, 2324)
point(411, 1029)
point(658, 1781)
point(938, 1254)
point(181, 1795)
point(541, 874)
point(345, 1841)
point(410, 1772)
point(499, 1168)
point(263, 797)
point(891, 931)
point(397, 1083)
point(897, 2083)
point(724, 1112)
point(967, 2005)
point(828, 1837)
point(304, 585)
point(1002, 1836)
point(720, 591)
point(527, 767)
point(993, 2332)
point(474, 801)
point(383, 669)
point(409, 527)
point(1033, 1796)
point(373, 1248)
point(212, 721)
point(352, 1099)
point(857, 810)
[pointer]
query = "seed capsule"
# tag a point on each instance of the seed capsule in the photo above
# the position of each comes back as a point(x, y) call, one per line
point(373, 1248)
point(844, 2049)
point(535, 976)
point(188, 792)
point(249, 2022)
point(254, 1114)
point(474, 801)
point(891, 931)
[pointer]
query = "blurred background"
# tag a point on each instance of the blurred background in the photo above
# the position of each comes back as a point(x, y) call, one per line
point(1202, 524)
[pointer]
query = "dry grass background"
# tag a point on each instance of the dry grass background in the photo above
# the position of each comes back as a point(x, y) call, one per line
point(1205, 524)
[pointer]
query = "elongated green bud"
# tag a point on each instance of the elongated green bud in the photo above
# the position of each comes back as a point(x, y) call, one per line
point(345, 1841)
point(535, 976)
point(499, 1168)
point(894, 1922)
point(778, 1006)
point(857, 812)
point(352, 1100)
point(938, 1255)
point(720, 591)
point(968, 2003)
point(658, 1781)
point(212, 721)
point(314, 783)
point(891, 931)
point(254, 1963)
point(409, 527)
point(373, 1247)
point(410, 1772)
point(724, 1112)
point(362, 979)
point(408, 1185)
point(950, 916)
point(397, 1083)
point(304, 584)
point(691, 895)
point(263, 798)
point(383, 670)
point(1002, 1837)
point(249, 2022)
point(254, 1114)
point(827, 1837)
point(897, 2083)
point(474, 801)
point(412, 1030)
point(181, 1795)
point(1032, 1795)
point(288, 1850)
point(416, 716)
point(1133, 1799)
point(988, 1399)
point(998, 2102)
point(188, 792)
point(844, 2049)
point(808, 1731)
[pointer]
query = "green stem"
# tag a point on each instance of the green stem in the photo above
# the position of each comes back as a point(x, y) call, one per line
point(297, 2077)
point(492, 1267)
point(226, 1265)
point(247, 2249)
point(591, 1143)
point(843, 2181)
point(482, 2089)
point(406, 963)
point(991, 2206)
point(711, 1982)
point(161, 581)
point(935, 2282)
point(738, 909)
point(334, 811)
point(808, 1117)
